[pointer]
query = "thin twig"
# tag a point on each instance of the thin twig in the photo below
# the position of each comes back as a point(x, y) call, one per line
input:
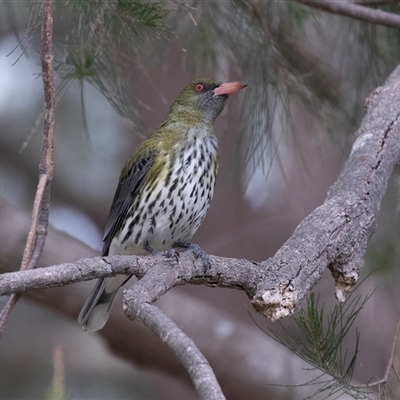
point(374, 2)
point(40, 212)
point(6, 311)
point(46, 165)
point(31, 240)
point(137, 306)
point(389, 366)
point(392, 352)
point(356, 11)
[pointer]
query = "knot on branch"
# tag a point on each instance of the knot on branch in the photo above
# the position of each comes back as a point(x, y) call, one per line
point(277, 303)
point(344, 283)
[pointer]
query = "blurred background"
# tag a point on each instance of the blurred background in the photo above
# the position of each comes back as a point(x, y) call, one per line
point(283, 142)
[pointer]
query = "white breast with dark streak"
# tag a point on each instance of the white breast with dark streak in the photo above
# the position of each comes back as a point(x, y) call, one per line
point(174, 209)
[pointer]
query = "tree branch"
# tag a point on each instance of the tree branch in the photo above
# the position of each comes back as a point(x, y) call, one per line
point(137, 305)
point(40, 213)
point(356, 11)
point(334, 236)
point(225, 339)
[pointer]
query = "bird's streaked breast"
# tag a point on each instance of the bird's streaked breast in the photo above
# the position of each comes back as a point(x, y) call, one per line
point(175, 199)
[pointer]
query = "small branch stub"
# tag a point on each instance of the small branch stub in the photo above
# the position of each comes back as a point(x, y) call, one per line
point(344, 284)
point(276, 304)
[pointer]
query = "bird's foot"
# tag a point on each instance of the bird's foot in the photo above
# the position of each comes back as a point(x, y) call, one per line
point(198, 252)
point(168, 253)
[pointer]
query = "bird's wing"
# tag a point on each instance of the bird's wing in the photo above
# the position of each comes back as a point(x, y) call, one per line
point(130, 183)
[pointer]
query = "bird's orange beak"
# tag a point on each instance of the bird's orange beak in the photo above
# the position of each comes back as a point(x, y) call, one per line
point(229, 88)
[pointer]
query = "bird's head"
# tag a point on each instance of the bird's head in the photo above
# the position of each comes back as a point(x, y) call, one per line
point(204, 98)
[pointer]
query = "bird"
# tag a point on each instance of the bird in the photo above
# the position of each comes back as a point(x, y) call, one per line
point(164, 190)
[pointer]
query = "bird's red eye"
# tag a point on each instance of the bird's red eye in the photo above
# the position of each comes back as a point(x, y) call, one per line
point(199, 87)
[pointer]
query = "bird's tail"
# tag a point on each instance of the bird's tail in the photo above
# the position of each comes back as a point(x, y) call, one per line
point(97, 308)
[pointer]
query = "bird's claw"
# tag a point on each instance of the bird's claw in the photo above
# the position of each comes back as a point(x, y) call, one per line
point(199, 253)
point(172, 253)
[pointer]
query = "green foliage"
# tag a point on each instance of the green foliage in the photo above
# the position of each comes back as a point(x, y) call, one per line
point(99, 39)
point(320, 344)
point(136, 13)
point(82, 65)
point(294, 59)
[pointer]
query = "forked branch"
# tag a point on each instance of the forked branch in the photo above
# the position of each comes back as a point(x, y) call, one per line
point(356, 11)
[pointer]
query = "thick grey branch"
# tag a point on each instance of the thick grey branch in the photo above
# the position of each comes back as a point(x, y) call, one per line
point(356, 11)
point(335, 235)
